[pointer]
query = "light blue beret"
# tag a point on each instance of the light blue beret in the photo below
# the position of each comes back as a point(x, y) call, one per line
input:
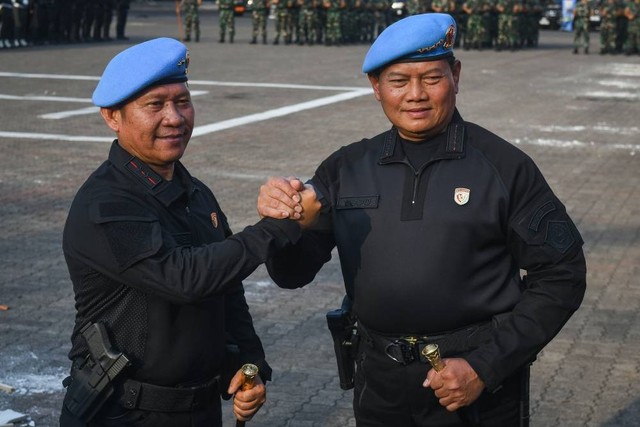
point(425, 37)
point(147, 64)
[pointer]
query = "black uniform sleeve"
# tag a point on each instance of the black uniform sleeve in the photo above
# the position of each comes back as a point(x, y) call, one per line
point(125, 241)
point(239, 327)
point(544, 242)
point(296, 266)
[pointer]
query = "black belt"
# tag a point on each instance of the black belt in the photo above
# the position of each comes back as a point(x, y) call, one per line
point(150, 397)
point(408, 348)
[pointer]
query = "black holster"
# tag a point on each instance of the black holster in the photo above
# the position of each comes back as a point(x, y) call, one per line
point(91, 382)
point(342, 324)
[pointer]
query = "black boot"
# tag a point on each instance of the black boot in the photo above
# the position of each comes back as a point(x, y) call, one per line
point(253, 41)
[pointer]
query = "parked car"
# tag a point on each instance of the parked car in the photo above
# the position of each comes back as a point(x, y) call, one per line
point(551, 16)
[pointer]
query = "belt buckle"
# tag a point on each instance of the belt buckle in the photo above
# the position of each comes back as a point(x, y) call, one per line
point(402, 350)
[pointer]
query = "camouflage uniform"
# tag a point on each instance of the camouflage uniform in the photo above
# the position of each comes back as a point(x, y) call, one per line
point(227, 20)
point(283, 18)
point(415, 7)
point(191, 18)
point(476, 24)
point(507, 33)
point(450, 7)
point(333, 33)
point(581, 15)
point(307, 22)
point(259, 14)
point(632, 13)
point(351, 21)
point(608, 11)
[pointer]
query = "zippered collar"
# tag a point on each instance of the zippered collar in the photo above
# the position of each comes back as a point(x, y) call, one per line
point(453, 146)
point(167, 192)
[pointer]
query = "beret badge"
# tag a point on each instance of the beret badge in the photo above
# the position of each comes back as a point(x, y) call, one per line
point(184, 61)
point(450, 37)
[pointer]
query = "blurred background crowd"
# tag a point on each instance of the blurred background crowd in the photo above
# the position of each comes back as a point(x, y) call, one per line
point(483, 24)
point(36, 22)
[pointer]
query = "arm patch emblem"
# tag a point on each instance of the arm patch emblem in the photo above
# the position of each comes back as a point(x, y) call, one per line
point(559, 235)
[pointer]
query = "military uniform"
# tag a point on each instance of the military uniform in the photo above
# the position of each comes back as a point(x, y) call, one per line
point(259, 12)
point(307, 25)
point(333, 31)
point(452, 220)
point(608, 33)
point(156, 263)
point(153, 262)
point(581, 15)
point(227, 20)
point(507, 32)
point(477, 23)
point(632, 13)
point(122, 11)
point(191, 19)
point(283, 18)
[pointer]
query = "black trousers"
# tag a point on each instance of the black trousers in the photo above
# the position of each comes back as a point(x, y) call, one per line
point(117, 416)
point(390, 394)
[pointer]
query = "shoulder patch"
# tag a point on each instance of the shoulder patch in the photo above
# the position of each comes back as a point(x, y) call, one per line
point(559, 235)
point(537, 217)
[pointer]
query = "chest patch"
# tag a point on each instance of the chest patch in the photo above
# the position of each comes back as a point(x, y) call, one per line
point(461, 195)
point(360, 202)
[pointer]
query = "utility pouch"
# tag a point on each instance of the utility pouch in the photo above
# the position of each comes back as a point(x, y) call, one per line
point(342, 325)
point(90, 385)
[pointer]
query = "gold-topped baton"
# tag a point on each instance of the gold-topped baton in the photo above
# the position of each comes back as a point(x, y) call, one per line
point(249, 373)
point(432, 353)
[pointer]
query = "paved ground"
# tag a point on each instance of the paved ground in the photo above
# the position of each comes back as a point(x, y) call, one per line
point(577, 116)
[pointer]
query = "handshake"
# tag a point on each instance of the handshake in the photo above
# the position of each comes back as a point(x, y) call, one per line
point(282, 198)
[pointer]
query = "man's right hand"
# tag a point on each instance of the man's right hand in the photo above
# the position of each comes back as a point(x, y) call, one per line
point(288, 198)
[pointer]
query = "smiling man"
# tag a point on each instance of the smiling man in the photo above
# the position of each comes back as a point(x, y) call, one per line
point(434, 220)
point(155, 268)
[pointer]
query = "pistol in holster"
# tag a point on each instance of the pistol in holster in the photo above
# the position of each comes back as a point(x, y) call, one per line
point(342, 324)
point(91, 383)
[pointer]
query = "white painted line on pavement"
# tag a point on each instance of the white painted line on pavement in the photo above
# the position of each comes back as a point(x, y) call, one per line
point(71, 113)
point(55, 137)
point(88, 110)
point(44, 98)
point(350, 93)
point(278, 112)
point(191, 82)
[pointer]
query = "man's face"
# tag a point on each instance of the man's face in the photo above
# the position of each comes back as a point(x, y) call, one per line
point(155, 126)
point(419, 98)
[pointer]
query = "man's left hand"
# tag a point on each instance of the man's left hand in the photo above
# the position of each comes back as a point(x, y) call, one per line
point(246, 403)
point(456, 386)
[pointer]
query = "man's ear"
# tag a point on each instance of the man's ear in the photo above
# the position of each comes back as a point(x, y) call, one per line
point(375, 81)
point(112, 118)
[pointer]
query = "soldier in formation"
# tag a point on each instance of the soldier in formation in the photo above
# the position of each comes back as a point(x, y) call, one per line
point(632, 13)
point(581, 15)
point(259, 14)
point(191, 18)
point(227, 20)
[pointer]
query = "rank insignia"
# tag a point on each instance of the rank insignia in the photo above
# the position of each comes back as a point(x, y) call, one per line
point(214, 219)
point(461, 196)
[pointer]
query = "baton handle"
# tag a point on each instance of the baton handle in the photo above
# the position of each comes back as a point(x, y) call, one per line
point(432, 353)
point(249, 372)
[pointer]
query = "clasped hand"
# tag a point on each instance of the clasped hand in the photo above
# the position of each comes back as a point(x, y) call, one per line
point(288, 198)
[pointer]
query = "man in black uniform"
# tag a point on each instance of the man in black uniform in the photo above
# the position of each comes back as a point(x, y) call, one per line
point(433, 221)
point(155, 269)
